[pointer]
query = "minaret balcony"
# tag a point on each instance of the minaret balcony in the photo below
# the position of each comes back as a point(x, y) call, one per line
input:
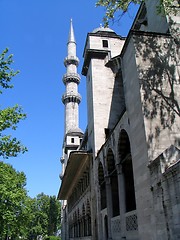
point(71, 60)
point(69, 97)
point(71, 77)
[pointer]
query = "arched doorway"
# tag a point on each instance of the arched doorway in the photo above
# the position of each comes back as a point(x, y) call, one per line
point(106, 226)
point(112, 174)
point(102, 185)
point(127, 170)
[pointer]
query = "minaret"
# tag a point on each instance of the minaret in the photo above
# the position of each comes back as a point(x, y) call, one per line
point(71, 79)
point(71, 99)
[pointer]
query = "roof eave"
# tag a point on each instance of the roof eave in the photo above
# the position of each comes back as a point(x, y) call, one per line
point(77, 163)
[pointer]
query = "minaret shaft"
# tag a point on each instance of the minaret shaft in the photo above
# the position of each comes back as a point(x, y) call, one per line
point(71, 79)
point(71, 49)
point(71, 68)
point(71, 116)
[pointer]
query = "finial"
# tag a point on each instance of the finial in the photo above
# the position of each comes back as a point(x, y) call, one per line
point(71, 33)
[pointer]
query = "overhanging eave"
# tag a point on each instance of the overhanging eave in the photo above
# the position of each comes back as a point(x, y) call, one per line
point(76, 165)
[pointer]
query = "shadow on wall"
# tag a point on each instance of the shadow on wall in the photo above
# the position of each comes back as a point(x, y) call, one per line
point(157, 58)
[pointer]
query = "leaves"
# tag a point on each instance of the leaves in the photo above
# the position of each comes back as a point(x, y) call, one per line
point(121, 6)
point(6, 73)
point(21, 215)
point(112, 7)
point(11, 116)
point(10, 147)
point(12, 200)
point(45, 216)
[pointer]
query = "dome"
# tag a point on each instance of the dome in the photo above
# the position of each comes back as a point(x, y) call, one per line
point(102, 29)
point(75, 131)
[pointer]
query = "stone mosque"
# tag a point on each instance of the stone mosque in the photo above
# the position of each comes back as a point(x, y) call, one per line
point(120, 178)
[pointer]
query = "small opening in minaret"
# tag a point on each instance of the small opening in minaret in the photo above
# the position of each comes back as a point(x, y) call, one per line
point(105, 43)
point(72, 140)
point(107, 132)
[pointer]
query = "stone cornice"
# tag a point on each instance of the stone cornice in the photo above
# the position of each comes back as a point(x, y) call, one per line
point(92, 53)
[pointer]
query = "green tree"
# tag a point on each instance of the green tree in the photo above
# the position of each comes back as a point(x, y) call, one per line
point(13, 202)
point(44, 216)
point(121, 6)
point(54, 216)
point(11, 116)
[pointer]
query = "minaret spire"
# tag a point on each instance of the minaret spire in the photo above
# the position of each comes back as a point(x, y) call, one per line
point(71, 33)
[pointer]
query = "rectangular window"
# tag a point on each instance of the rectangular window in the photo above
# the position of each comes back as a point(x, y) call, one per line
point(72, 140)
point(105, 43)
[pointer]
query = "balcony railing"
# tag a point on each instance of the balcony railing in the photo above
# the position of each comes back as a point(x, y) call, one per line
point(116, 227)
point(71, 77)
point(131, 221)
point(71, 60)
point(70, 97)
point(131, 226)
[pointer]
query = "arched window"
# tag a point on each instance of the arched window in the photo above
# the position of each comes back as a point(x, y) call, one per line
point(106, 226)
point(127, 169)
point(78, 223)
point(102, 185)
point(88, 218)
point(75, 225)
point(83, 221)
point(112, 174)
point(71, 226)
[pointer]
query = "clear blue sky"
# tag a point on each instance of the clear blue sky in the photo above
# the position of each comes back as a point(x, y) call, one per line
point(36, 32)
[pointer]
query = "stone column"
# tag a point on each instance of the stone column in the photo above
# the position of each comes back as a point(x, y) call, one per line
point(99, 216)
point(122, 200)
point(109, 204)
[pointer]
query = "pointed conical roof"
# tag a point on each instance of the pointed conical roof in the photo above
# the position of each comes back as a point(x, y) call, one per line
point(71, 33)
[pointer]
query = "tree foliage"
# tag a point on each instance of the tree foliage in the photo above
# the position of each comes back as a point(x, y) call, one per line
point(11, 116)
point(112, 7)
point(13, 207)
point(6, 73)
point(45, 216)
point(22, 216)
point(121, 6)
